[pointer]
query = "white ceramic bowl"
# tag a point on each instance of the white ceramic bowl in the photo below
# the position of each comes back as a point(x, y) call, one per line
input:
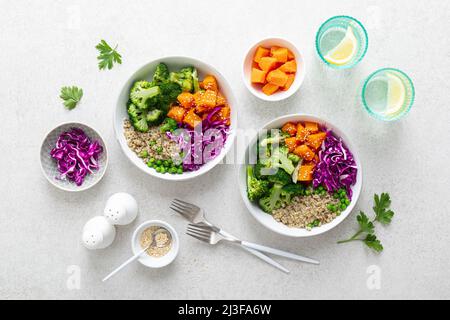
point(279, 95)
point(49, 167)
point(146, 73)
point(266, 219)
point(155, 262)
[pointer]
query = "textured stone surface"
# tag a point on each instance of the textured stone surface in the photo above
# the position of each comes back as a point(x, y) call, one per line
point(49, 44)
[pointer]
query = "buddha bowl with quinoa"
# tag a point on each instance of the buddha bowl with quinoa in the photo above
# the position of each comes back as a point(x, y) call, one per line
point(166, 108)
point(300, 176)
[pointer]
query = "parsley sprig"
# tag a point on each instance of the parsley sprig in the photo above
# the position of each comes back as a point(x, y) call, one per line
point(71, 96)
point(108, 56)
point(383, 215)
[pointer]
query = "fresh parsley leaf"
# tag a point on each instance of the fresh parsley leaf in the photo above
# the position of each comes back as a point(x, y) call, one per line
point(364, 223)
point(372, 242)
point(382, 203)
point(108, 56)
point(71, 96)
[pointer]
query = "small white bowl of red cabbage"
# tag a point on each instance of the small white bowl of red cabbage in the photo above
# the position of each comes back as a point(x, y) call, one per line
point(73, 157)
point(338, 167)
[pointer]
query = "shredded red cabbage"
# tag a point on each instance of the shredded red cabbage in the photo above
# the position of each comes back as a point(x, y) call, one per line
point(203, 143)
point(337, 167)
point(76, 155)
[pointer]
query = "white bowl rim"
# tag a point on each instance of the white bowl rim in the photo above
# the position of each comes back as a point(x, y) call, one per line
point(211, 164)
point(164, 260)
point(299, 75)
point(81, 188)
point(280, 228)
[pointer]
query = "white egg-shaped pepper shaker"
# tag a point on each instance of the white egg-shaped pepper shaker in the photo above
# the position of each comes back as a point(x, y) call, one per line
point(121, 208)
point(98, 233)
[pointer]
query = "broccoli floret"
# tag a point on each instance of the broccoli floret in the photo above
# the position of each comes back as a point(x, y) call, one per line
point(154, 117)
point(280, 159)
point(291, 190)
point(144, 94)
point(169, 94)
point(255, 188)
point(294, 158)
point(275, 137)
point(161, 74)
point(169, 124)
point(137, 117)
point(273, 200)
point(280, 176)
point(141, 125)
point(184, 78)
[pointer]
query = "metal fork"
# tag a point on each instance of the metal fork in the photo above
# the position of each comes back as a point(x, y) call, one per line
point(196, 215)
point(207, 234)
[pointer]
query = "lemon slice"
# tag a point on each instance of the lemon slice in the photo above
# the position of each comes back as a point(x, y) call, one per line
point(344, 51)
point(395, 94)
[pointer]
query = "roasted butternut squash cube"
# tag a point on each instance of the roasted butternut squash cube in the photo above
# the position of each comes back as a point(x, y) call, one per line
point(311, 127)
point(269, 89)
point(315, 140)
point(289, 82)
point(289, 67)
point(290, 128)
point(302, 133)
point(305, 174)
point(304, 152)
point(186, 100)
point(291, 143)
point(280, 53)
point(267, 63)
point(260, 53)
point(191, 118)
point(210, 83)
point(177, 113)
point(277, 77)
point(258, 76)
point(221, 100)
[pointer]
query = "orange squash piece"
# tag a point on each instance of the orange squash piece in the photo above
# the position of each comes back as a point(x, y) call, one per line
point(289, 128)
point(289, 82)
point(269, 89)
point(260, 53)
point(304, 152)
point(281, 54)
point(315, 140)
point(191, 118)
point(302, 133)
point(277, 77)
point(177, 113)
point(267, 63)
point(186, 100)
point(221, 100)
point(311, 127)
point(209, 98)
point(258, 76)
point(305, 174)
point(198, 97)
point(290, 55)
point(289, 67)
point(291, 143)
point(210, 83)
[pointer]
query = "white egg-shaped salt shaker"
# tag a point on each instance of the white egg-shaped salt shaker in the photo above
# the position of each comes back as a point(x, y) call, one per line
point(121, 208)
point(98, 233)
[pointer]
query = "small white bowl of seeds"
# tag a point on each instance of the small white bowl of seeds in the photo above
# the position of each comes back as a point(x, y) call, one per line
point(161, 240)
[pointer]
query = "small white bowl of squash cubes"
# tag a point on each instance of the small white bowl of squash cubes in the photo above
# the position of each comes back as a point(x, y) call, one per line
point(273, 69)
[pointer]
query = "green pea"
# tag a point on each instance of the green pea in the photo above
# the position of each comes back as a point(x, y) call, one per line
point(323, 192)
point(152, 160)
point(158, 169)
point(343, 206)
point(342, 200)
point(179, 171)
point(347, 202)
point(159, 149)
point(143, 154)
point(330, 207)
point(163, 170)
point(307, 192)
point(150, 164)
point(165, 163)
point(158, 162)
point(152, 142)
point(336, 195)
point(338, 214)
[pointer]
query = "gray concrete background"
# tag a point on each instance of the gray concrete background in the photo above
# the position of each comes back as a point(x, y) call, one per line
point(48, 44)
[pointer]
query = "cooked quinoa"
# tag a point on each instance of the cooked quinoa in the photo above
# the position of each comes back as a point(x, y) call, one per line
point(304, 210)
point(151, 144)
